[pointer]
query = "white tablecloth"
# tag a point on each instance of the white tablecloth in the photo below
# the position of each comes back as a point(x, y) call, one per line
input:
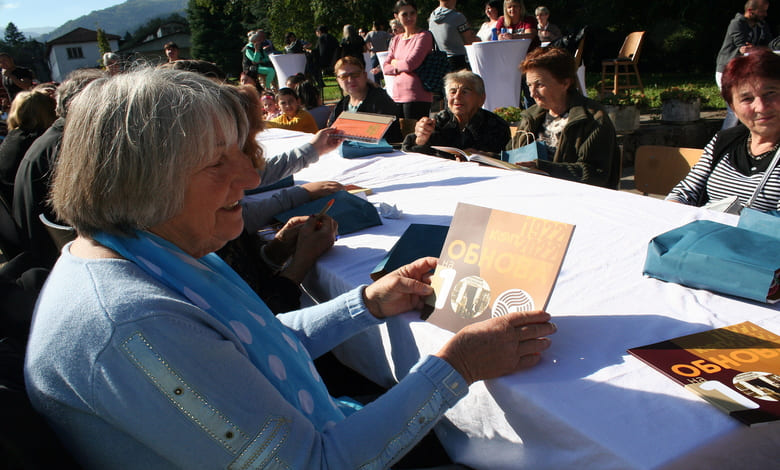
point(589, 404)
point(497, 63)
point(287, 65)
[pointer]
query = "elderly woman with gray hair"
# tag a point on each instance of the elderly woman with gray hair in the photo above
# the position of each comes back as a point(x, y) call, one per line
point(147, 351)
point(546, 31)
point(463, 124)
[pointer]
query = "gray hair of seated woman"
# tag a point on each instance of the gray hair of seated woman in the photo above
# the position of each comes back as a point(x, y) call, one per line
point(131, 143)
point(465, 77)
point(542, 10)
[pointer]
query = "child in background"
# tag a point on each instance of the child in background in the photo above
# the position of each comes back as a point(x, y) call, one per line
point(293, 116)
point(270, 108)
point(311, 100)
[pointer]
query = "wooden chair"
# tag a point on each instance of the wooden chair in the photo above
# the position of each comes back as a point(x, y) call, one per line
point(657, 169)
point(625, 65)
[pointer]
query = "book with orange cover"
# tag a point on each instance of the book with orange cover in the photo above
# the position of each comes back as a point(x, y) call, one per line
point(362, 127)
point(735, 368)
point(495, 262)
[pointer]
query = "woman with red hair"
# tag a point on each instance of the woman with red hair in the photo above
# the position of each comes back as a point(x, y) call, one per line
point(736, 161)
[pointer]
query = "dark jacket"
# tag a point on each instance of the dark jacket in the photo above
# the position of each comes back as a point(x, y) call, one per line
point(31, 192)
point(12, 150)
point(377, 101)
point(485, 131)
point(327, 47)
point(738, 34)
point(353, 47)
point(587, 151)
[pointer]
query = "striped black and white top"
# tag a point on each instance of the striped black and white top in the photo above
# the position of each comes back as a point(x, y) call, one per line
point(724, 181)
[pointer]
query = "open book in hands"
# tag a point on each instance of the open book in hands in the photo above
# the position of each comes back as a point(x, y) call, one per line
point(485, 159)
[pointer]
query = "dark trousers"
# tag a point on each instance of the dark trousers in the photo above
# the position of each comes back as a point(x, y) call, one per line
point(415, 109)
point(457, 62)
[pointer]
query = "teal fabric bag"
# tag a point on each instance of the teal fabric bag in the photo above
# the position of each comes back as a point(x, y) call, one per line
point(351, 212)
point(355, 149)
point(708, 255)
point(527, 153)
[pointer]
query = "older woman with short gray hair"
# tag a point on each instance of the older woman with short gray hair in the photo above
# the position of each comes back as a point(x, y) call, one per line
point(546, 31)
point(148, 351)
point(464, 124)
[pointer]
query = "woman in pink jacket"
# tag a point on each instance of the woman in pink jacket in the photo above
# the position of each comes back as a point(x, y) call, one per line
point(407, 51)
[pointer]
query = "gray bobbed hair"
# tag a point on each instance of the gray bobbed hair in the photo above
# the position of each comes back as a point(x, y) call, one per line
point(465, 77)
point(131, 143)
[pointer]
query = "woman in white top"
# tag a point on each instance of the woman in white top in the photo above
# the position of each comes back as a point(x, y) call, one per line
point(493, 9)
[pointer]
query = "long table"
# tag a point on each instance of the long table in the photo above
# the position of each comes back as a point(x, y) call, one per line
point(588, 404)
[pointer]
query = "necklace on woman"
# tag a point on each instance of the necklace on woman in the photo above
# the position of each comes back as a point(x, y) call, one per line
point(761, 156)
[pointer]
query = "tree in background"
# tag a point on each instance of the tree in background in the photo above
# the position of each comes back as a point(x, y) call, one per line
point(26, 52)
point(103, 45)
point(218, 32)
point(13, 36)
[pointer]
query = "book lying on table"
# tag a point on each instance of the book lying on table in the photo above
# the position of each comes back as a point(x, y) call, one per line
point(494, 263)
point(358, 190)
point(735, 368)
point(417, 241)
point(485, 159)
point(362, 127)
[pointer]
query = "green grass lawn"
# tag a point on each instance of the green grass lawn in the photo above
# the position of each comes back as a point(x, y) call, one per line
point(332, 92)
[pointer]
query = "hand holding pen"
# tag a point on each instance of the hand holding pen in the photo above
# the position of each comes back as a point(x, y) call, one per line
point(318, 217)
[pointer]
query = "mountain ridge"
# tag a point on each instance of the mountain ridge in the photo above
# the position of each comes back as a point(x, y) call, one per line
point(120, 19)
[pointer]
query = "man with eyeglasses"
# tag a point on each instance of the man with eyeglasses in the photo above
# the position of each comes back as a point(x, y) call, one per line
point(362, 96)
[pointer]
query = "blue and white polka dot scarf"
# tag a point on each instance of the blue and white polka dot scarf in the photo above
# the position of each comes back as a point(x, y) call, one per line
point(210, 284)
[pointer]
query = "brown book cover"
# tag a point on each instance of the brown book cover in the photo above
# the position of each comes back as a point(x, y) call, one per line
point(495, 262)
point(362, 127)
point(735, 368)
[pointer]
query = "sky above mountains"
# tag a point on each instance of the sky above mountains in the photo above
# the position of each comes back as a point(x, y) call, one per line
point(39, 14)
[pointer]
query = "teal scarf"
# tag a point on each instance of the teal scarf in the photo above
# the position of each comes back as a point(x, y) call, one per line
point(213, 286)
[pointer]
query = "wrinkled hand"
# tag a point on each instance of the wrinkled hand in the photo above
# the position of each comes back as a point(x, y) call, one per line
point(531, 164)
point(315, 237)
point(325, 140)
point(401, 290)
point(284, 242)
point(499, 346)
point(319, 189)
point(423, 130)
